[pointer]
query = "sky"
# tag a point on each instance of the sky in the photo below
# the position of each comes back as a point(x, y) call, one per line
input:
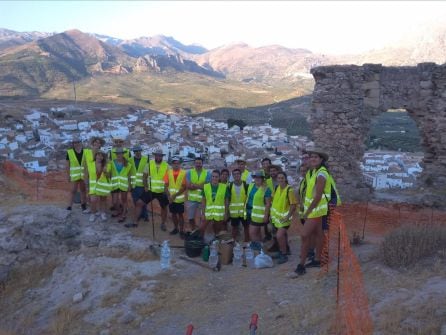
point(320, 26)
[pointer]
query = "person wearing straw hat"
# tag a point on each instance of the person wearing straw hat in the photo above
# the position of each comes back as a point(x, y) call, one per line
point(175, 188)
point(317, 196)
point(121, 181)
point(139, 163)
point(257, 207)
point(241, 165)
point(75, 172)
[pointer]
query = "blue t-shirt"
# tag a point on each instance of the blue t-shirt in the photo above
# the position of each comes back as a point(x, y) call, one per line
point(251, 197)
point(118, 166)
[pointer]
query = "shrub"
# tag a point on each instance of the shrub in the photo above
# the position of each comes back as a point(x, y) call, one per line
point(406, 245)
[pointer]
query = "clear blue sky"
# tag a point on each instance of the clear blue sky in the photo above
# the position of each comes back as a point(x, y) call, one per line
point(331, 26)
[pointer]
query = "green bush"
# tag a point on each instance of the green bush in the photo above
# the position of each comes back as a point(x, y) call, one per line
point(406, 245)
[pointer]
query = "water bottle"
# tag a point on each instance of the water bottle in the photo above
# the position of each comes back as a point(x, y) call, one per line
point(213, 255)
point(249, 255)
point(237, 255)
point(165, 256)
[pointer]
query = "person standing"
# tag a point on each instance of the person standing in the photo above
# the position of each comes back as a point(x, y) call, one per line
point(195, 180)
point(215, 204)
point(224, 176)
point(175, 188)
point(282, 209)
point(257, 207)
point(121, 173)
point(238, 190)
point(139, 163)
point(317, 196)
point(75, 172)
point(89, 156)
point(246, 175)
point(99, 185)
point(118, 142)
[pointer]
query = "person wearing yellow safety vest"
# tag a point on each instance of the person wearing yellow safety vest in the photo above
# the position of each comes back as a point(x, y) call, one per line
point(224, 176)
point(75, 172)
point(282, 210)
point(195, 180)
point(215, 204)
point(257, 207)
point(99, 185)
point(238, 190)
point(175, 188)
point(153, 179)
point(89, 154)
point(121, 182)
point(139, 163)
point(317, 196)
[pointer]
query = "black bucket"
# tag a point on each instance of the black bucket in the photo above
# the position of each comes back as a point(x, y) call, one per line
point(193, 244)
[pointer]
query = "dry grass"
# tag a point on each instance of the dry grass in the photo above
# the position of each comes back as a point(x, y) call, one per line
point(64, 321)
point(134, 255)
point(407, 245)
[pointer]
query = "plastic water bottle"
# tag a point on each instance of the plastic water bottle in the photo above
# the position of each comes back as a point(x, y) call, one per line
point(165, 256)
point(237, 255)
point(213, 255)
point(249, 255)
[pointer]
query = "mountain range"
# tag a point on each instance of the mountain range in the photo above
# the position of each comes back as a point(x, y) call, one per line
point(36, 63)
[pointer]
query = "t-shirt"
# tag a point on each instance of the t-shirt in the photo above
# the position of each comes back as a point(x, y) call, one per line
point(251, 197)
point(118, 166)
point(175, 175)
point(78, 155)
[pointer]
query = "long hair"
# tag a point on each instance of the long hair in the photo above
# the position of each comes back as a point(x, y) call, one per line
point(104, 158)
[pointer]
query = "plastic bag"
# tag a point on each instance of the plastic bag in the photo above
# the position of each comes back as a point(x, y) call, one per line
point(262, 260)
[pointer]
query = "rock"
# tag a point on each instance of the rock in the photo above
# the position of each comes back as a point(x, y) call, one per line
point(127, 318)
point(4, 273)
point(284, 303)
point(68, 231)
point(78, 297)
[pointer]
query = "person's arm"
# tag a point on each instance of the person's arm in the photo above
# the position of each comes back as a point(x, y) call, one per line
point(267, 208)
point(320, 185)
point(226, 217)
point(67, 167)
point(145, 176)
point(203, 208)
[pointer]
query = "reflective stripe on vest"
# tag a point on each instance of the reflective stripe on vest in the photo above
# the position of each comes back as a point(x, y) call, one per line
point(258, 204)
point(120, 181)
point(237, 203)
point(96, 186)
point(215, 209)
point(195, 195)
point(137, 173)
point(156, 176)
point(280, 207)
point(322, 207)
point(175, 185)
point(76, 171)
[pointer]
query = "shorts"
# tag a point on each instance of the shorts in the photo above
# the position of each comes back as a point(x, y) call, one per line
point(192, 207)
point(235, 222)
point(118, 191)
point(148, 196)
point(137, 192)
point(176, 208)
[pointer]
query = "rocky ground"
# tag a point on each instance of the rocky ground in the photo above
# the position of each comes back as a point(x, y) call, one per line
point(61, 274)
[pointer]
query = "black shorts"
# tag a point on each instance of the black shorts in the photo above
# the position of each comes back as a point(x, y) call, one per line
point(236, 221)
point(148, 196)
point(176, 208)
point(118, 191)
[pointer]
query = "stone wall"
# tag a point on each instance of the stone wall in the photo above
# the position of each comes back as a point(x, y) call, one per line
point(347, 97)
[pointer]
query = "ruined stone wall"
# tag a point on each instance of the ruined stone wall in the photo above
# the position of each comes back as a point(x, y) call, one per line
point(345, 100)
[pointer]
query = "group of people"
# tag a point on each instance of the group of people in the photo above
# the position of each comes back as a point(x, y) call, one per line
point(214, 198)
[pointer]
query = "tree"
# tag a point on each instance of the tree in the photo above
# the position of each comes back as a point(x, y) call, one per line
point(236, 122)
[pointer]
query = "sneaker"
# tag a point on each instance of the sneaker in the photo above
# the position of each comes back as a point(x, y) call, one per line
point(84, 207)
point(313, 264)
point(103, 216)
point(163, 227)
point(311, 253)
point(282, 258)
point(86, 211)
point(92, 218)
point(69, 208)
point(174, 232)
point(300, 270)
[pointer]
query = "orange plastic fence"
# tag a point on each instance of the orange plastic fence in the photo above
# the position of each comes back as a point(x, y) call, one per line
point(352, 314)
